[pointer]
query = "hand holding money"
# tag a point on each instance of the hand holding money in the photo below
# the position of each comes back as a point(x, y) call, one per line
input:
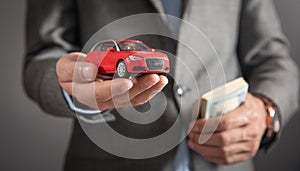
point(237, 136)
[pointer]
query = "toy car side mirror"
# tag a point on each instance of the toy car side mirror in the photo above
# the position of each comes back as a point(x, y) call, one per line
point(152, 50)
point(111, 49)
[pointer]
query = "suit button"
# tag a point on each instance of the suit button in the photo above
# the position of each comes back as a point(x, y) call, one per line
point(179, 91)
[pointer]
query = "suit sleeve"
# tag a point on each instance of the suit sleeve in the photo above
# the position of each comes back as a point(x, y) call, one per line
point(51, 30)
point(264, 55)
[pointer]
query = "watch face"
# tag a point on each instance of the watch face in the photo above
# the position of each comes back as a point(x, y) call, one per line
point(273, 120)
point(276, 122)
point(276, 126)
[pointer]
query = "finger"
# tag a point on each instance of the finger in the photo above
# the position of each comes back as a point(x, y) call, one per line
point(241, 116)
point(232, 159)
point(112, 88)
point(74, 68)
point(92, 93)
point(123, 100)
point(231, 120)
point(149, 93)
point(228, 154)
point(227, 137)
point(140, 85)
point(223, 152)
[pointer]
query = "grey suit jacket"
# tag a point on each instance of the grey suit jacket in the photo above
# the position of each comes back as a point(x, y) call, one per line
point(245, 33)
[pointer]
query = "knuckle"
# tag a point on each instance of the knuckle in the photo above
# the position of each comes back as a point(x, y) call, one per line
point(247, 104)
point(227, 160)
point(253, 153)
point(224, 124)
point(224, 152)
point(223, 139)
point(255, 114)
point(259, 102)
point(253, 145)
point(254, 132)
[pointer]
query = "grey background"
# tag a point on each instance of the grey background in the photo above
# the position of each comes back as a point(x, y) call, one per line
point(33, 140)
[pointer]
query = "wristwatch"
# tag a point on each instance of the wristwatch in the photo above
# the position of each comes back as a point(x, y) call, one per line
point(273, 117)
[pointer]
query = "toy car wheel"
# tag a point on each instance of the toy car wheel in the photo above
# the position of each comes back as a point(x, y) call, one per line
point(122, 70)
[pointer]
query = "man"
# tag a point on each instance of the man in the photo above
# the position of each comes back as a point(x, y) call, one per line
point(246, 34)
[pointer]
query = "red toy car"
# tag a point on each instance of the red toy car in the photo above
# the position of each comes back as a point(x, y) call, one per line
point(125, 57)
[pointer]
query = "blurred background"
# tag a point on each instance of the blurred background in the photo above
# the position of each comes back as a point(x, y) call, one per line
point(33, 140)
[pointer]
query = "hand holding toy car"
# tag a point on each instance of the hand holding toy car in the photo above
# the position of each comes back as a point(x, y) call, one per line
point(124, 91)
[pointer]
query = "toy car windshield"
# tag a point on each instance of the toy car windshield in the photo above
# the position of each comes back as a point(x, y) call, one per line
point(133, 46)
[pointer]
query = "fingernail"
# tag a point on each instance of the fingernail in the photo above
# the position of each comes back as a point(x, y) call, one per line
point(165, 80)
point(88, 73)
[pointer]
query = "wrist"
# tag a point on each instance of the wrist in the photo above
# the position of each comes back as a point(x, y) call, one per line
point(272, 119)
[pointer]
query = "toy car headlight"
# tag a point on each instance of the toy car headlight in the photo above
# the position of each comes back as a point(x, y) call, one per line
point(134, 58)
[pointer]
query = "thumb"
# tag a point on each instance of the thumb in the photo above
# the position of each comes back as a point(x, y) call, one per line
point(73, 68)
